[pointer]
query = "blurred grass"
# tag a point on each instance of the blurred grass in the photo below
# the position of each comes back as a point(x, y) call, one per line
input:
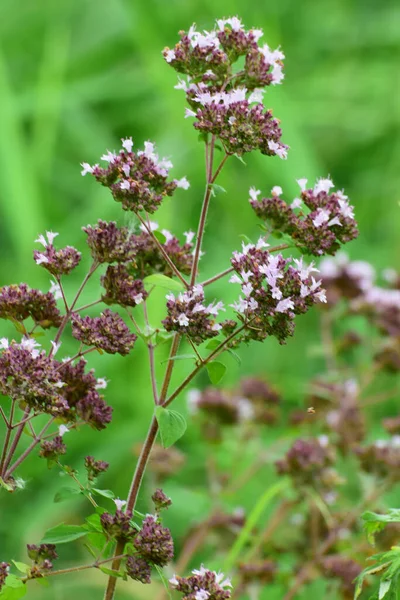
point(77, 75)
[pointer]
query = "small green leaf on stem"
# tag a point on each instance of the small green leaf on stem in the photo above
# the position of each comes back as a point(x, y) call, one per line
point(22, 567)
point(180, 357)
point(172, 425)
point(216, 371)
point(216, 189)
point(162, 281)
point(160, 236)
point(63, 534)
point(66, 493)
point(13, 588)
point(105, 493)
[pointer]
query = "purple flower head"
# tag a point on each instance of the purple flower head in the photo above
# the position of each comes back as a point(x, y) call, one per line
point(274, 291)
point(52, 449)
point(224, 100)
point(42, 552)
point(109, 244)
point(160, 500)
point(107, 332)
point(382, 458)
point(94, 411)
point(154, 542)
point(149, 259)
point(95, 467)
point(19, 302)
point(121, 287)
point(188, 315)
point(31, 377)
point(202, 585)
point(119, 525)
point(318, 222)
point(308, 462)
point(138, 568)
point(57, 262)
point(138, 180)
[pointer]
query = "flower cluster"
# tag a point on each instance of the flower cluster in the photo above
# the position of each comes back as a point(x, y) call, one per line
point(188, 315)
point(107, 332)
point(138, 568)
point(121, 287)
point(149, 259)
point(160, 500)
point(154, 542)
point(253, 401)
point(32, 377)
point(381, 458)
point(318, 222)
point(81, 393)
point(344, 278)
point(226, 101)
point(202, 585)
point(57, 262)
point(119, 525)
point(19, 302)
point(308, 462)
point(273, 290)
point(52, 449)
point(109, 243)
point(42, 556)
point(139, 181)
point(95, 467)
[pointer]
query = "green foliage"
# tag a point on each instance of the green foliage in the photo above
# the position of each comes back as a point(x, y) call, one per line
point(216, 370)
point(162, 281)
point(172, 425)
point(374, 522)
point(63, 534)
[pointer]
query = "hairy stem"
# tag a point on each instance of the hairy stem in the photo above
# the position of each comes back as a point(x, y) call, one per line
point(29, 448)
point(15, 441)
point(9, 424)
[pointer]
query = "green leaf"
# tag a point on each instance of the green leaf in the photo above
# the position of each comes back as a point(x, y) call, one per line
point(212, 344)
point(245, 238)
point(163, 281)
point(240, 158)
point(180, 357)
point(216, 189)
point(63, 534)
point(216, 371)
point(235, 356)
point(160, 236)
point(172, 425)
point(163, 336)
point(94, 523)
point(5, 485)
point(111, 572)
point(13, 588)
point(384, 588)
point(105, 493)
point(22, 567)
point(97, 541)
point(66, 493)
point(164, 581)
point(374, 522)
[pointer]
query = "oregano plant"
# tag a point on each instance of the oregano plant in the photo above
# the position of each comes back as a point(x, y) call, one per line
point(223, 74)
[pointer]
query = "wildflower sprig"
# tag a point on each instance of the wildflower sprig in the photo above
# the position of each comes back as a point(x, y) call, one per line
point(226, 102)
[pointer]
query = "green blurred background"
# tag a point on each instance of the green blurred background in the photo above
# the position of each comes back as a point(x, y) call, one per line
point(75, 77)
